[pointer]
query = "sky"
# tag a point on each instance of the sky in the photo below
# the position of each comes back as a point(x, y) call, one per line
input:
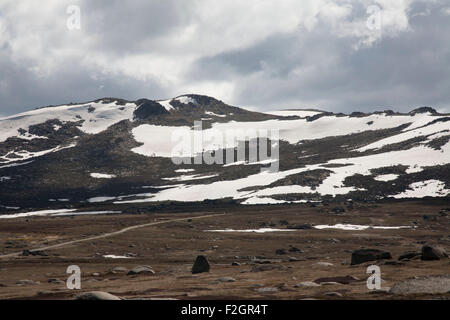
point(335, 55)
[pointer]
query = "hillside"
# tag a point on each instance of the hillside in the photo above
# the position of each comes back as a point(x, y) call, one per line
point(112, 151)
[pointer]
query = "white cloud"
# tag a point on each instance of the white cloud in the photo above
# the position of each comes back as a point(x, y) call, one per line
point(157, 44)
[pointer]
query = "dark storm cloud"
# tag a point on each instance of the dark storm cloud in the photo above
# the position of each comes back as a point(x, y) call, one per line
point(396, 72)
point(159, 49)
point(133, 26)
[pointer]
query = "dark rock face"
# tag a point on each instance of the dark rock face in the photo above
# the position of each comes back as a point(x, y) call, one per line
point(280, 251)
point(423, 110)
point(148, 108)
point(365, 255)
point(201, 265)
point(433, 253)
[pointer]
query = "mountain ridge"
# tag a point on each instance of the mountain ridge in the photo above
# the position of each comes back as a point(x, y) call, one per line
point(113, 151)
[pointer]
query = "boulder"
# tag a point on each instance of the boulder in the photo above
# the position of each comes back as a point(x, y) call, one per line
point(201, 265)
point(267, 290)
point(340, 280)
point(280, 252)
point(141, 270)
point(55, 281)
point(323, 264)
point(118, 270)
point(96, 295)
point(410, 255)
point(226, 279)
point(25, 282)
point(423, 285)
point(295, 249)
point(365, 255)
point(433, 253)
point(306, 284)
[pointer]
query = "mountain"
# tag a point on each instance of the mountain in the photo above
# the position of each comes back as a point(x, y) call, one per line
point(115, 152)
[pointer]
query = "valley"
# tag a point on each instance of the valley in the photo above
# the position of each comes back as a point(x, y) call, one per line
point(303, 263)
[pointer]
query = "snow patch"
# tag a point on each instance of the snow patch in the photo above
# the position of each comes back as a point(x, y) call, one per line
point(210, 113)
point(357, 227)
point(166, 104)
point(428, 188)
point(190, 177)
point(41, 213)
point(386, 177)
point(298, 113)
point(102, 176)
point(186, 100)
point(261, 230)
point(184, 170)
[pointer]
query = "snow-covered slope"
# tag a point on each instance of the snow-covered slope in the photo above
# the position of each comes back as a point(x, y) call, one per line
point(118, 151)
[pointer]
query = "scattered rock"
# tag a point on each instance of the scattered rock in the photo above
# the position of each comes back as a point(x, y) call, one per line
point(333, 240)
point(365, 255)
point(410, 255)
point(294, 249)
point(267, 267)
point(281, 252)
point(141, 270)
point(34, 253)
point(118, 270)
point(97, 295)
point(306, 284)
point(96, 274)
point(267, 290)
point(333, 294)
point(130, 255)
point(339, 280)
point(429, 218)
point(323, 264)
point(429, 285)
point(201, 265)
point(380, 291)
point(25, 282)
point(263, 261)
point(55, 281)
point(226, 279)
point(433, 253)
point(338, 210)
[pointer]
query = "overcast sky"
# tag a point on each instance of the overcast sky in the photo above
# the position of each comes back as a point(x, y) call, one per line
point(260, 54)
